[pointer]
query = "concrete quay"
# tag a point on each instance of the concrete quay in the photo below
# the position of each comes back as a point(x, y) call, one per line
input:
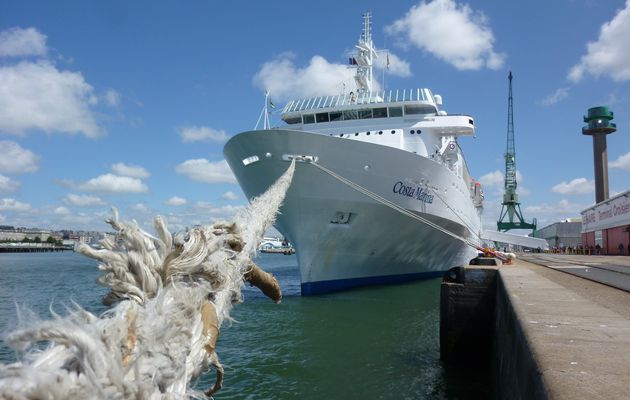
point(548, 334)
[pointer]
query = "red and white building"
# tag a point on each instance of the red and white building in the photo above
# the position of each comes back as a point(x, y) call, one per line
point(607, 225)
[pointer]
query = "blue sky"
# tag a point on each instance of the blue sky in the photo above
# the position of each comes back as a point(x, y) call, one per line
point(130, 103)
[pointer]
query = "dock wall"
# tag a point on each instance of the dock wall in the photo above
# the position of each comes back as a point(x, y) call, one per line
point(541, 339)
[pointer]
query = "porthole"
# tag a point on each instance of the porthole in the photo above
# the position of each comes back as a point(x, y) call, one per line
point(393, 131)
point(368, 133)
point(356, 134)
point(380, 132)
point(341, 135)
point(418, 131)
point(412, 132)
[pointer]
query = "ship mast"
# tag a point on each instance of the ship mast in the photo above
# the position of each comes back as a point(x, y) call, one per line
point(364, 59)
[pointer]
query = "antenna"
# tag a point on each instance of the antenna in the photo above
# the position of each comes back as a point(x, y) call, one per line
point(365, 56)
point(264, 114)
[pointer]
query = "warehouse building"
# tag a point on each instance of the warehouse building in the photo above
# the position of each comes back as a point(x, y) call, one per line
point(564, 234)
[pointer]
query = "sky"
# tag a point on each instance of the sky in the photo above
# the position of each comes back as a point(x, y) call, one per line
point(129, 104)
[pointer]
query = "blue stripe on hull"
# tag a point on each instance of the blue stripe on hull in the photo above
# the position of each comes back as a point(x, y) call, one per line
point(312, 288)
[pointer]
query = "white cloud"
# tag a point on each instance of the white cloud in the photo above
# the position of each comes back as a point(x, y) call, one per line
point(284, 80)
point(451, 32)
point(8, 204)
point(8, 185)
point(176, 201)
point(547, 214)
point(83, 200)
point(576, 186)
point(203, 170)
point(14, 159)
point(19, 42)
point(201, 134)
point(496, 180)
point(608, 55)
point(622, 162)
point(397, 66)
point(132, 171)
point(38, 96)
point(217, 211)
point(109, 183)
point(229, 196)
point(556, 97)
point(112, 97)
point(555, 212)
point(492, 179)
point(140, 207)
point(61, 211)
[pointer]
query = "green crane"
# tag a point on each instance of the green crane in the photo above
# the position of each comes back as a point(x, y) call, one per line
point(511, 207)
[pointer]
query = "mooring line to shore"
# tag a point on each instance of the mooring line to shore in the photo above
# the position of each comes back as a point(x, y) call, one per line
point(392, 205)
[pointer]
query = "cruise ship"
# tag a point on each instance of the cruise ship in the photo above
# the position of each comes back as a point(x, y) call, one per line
point(381, 192)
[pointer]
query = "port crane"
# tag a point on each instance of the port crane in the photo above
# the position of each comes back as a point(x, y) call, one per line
point(511, 207)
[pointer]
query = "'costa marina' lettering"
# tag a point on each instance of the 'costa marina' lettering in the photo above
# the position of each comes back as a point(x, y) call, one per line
point(414, 192)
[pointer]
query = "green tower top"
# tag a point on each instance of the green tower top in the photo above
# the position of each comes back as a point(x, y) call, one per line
point(598, 121)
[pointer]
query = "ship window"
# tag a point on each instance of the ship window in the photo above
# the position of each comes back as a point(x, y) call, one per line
point(368, 133)
point(365, 114)
point(341, 135)
point(321, 117)
point(350, 114)
point(380, 132)
point(393, 131)
point(356, 134)
point(395, 111)
point(412, 131)
point(308, 118)
point(293, 120)
point(379, 112)
point(414, 109)
point(335, 116)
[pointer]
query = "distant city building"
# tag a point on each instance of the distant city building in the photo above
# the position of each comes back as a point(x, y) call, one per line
point(563, 234)
point(606, 225)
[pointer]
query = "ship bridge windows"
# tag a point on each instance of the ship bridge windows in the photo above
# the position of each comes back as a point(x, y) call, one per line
point(362, 113)
point(365, 113)
point(350, 114)
point(336, 116)
point(322, 117)
point(395, 112)
point(293, 120)
point(379, 112)
point(414, 109)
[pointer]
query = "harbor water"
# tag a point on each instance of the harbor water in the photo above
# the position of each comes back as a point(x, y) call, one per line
point(378, 342)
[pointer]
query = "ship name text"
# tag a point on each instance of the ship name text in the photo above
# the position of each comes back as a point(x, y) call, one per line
point(414, 192)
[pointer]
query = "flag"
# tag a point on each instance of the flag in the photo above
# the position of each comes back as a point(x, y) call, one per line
point(271, 103)
point(387, 60)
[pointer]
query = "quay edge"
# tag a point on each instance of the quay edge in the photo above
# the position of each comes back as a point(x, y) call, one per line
point(542, 340)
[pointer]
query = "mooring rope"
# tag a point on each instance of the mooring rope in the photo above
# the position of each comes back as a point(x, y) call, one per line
point(169, 298)
point(393, 205)
point(472, 231)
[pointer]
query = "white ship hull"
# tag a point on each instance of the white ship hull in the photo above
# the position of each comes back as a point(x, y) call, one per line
point(344, 238)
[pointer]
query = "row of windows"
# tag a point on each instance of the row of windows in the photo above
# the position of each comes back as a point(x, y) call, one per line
point(363, 113)
point(376, 133)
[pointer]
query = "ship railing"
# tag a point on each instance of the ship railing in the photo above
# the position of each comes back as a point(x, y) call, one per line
point(371, 97)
